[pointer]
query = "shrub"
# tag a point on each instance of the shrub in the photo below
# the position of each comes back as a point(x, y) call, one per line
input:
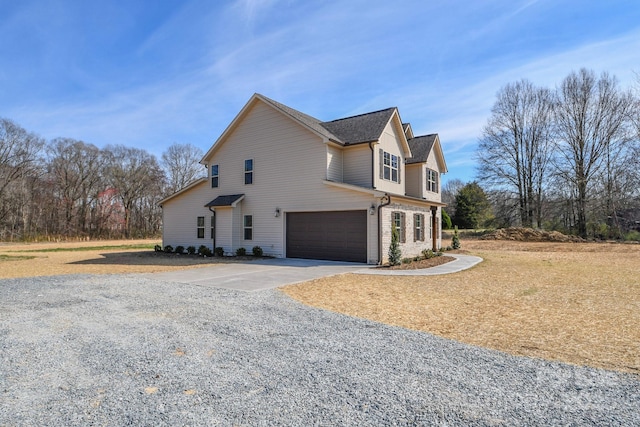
point(427, 254)
point(241, 252)
point(257, 251)
point(395, 254)
point(179, 249)
point(633, 235)
point(407, 260)
point(168, 249)
point(218, 251)
point(446, 220)
point(157, 248)
point(455, 240)
point(204, 251)
point(191, 250)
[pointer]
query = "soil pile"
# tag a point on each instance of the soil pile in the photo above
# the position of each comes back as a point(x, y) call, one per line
point(522, 234)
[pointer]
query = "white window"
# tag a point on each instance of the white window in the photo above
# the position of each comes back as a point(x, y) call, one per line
point(390, 167)
point(248, 171)
point(214, 176)
point(248, 227)
point(432, 180)
point(200, 227)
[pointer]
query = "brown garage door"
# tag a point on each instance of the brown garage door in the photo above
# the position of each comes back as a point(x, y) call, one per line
point(337, 236)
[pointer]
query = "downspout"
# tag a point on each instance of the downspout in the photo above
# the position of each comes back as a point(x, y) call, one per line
point(214, 229)
point(380, 206)
point(373, 165)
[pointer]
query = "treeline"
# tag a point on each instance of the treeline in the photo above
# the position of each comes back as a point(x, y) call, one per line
point(65, 188)
point(565, 159)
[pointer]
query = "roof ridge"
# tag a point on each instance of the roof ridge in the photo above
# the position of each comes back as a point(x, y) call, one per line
point(361, 115)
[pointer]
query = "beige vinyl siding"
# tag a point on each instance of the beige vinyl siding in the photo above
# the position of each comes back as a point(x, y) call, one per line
point(432, 163)
point(290, 166)
point(357, 165)
point(414, 177)
point(224, 225)
point(179, 218)
point(334, 163)
point(390, 142)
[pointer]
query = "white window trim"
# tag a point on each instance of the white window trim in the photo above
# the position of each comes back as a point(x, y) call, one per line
point(216, 176)
point(248, 171)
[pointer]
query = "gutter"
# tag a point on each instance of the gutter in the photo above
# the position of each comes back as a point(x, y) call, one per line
point(380, 206)
point(214, 228)
point(373, 165)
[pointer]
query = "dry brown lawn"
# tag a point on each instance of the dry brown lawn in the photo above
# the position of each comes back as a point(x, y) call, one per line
point(101, 261)
point(573, 302)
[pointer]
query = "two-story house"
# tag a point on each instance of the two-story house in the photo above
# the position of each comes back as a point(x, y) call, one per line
point(299, 187)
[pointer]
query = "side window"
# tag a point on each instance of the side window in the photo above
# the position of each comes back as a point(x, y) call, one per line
point(200, 227)
point(418, 227)
point(432, 180)
point(398, 219)
point(248, 227)
point(214, 176)
point(248, 171)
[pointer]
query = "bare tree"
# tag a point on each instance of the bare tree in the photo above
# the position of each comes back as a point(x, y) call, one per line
point(592, 130)
point(181, 165)
point(19, 152)
point(75, 171)
point(514, 150)
point(135, 175)
point(449, 193)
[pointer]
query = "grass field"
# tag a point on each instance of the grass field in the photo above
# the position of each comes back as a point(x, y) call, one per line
point(572, 302)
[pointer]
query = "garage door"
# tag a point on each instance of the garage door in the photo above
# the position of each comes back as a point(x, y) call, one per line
point(337, 236)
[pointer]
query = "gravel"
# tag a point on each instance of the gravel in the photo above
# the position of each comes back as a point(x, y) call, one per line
point(126, 350)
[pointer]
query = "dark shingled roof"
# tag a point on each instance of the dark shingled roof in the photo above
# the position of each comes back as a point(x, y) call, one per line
point(362, 128)
point(420, 147)
point(349, 130)
point(309, 121)
point(224, 200)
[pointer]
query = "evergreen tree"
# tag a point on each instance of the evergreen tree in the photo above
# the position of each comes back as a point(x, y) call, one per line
point(395, 254)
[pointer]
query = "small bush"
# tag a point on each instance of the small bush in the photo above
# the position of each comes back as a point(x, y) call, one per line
point(417, 258)
point(218, 251)
point(191, 250)
point(633, 235)
point(257, 251)
point(241, 252)
point(455, 240)
point(407, 260)
point(428, 254)
point(179, 249)
point(395, 254)
point(204, 251)
point(168, 249)
point(448, 248)
point(157, 248)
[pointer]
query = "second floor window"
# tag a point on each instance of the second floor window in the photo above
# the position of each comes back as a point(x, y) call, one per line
point(248, 171)
point(390, 167)
point(432, 180)
point(214, 176)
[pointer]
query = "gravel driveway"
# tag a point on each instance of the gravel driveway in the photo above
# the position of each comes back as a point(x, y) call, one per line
point(128, 350)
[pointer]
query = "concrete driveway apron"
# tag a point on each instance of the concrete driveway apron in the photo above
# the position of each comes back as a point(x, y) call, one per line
point(259, 275)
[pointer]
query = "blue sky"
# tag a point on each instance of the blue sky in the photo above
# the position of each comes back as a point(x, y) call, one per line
point(151, 73)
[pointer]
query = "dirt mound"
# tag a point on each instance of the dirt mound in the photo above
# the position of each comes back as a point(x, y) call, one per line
point(522, 234)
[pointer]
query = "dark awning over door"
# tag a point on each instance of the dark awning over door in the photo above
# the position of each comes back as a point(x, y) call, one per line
point(336, 235)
